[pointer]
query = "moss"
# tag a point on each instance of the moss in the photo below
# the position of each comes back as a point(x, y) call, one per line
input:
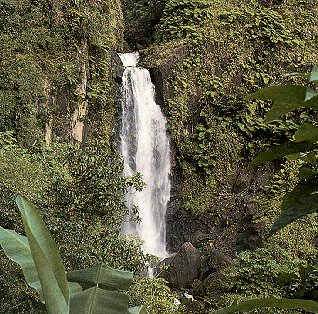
point(54, 56)
point(46, 47)
point(220, 54)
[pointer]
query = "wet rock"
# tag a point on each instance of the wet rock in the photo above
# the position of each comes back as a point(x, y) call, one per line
point(157, 80)
point(184, 267)
point(117, 68)
point(214, 261)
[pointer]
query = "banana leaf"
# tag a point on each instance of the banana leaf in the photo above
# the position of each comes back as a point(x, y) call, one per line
point(99, 301)
point(103, 276)
point(46, 258)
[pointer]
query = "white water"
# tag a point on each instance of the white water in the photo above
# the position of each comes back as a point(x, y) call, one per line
point(145, 148)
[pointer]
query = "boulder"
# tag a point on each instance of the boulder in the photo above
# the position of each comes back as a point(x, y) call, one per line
point(213, 261)
point(218, 260)
point(184, 267)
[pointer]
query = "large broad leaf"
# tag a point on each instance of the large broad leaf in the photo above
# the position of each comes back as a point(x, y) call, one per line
point(301, 201)
point(307, 132)
point(286, 98)
point(288, 304)
point(137, 310)
point(46, 258)
point(17, 248)
point(74, 287)
point(279, 109)
point(107, 277)
point(99, 301)
point(279, 151)
point(289, 94)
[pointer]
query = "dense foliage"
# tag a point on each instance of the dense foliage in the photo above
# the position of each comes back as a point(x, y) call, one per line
point(211, 55)
point(55, 59)
point(43, 269)
point(141, 18)
point(155, 295)
point(49, 50)
point(55, 56)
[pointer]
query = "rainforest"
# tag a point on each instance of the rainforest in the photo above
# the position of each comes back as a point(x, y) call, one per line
point(158, 156)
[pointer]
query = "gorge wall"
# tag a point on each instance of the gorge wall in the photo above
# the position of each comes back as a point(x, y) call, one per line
point(59, 81)
point(205, 57)
point(57, 67)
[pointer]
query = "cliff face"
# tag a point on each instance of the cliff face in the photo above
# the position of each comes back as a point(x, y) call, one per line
point(206, 56)
point(55, 67)
point(56, 87)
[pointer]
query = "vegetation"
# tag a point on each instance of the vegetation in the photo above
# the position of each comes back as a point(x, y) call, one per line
point(38, 256)
point(207, 56)
point(55, 57)
point(211, 56)
point(296, 203)
point(302, 200)
point(155, 295)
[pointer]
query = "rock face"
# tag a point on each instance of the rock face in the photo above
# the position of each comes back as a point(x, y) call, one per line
point(214, 261)
point(184, 267)
point(117, 67)
point(227, 224)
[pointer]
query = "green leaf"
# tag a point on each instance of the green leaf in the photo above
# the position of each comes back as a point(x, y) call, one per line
point(301, 201)
point(310, 158)
point(279, 109)
point(99, 301)
point(279, 151)
point(107, 277)
point(74, 287)
point(314, 74)
point(17, 248)
point(290, 94)
point(307, 132)
point(46, 258)
point(137, 310)
point(286, 98)
point(311, 98)
point(288, 304)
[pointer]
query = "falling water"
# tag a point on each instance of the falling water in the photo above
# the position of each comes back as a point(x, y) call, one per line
point(146, 149)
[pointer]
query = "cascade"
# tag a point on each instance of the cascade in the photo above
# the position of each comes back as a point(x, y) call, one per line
point(145, 148)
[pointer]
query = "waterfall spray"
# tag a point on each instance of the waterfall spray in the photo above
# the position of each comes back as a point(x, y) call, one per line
point(145, 147)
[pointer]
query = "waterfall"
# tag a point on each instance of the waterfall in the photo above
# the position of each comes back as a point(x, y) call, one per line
point(145, 148)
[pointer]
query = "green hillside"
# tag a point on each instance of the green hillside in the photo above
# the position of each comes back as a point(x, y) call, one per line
point(59, 93)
